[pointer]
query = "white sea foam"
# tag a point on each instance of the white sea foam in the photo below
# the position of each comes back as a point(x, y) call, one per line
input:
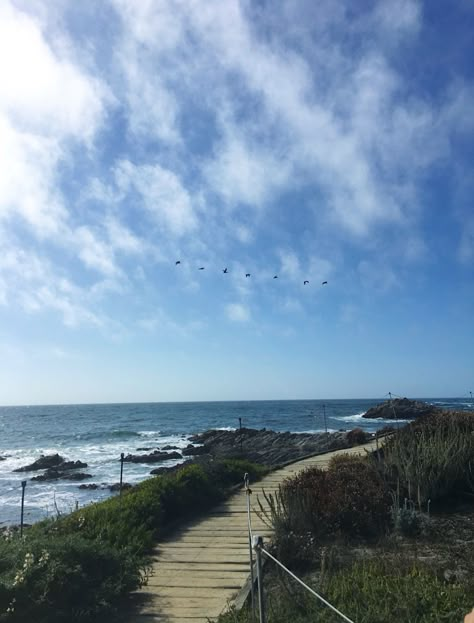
point(358, 417)
point(318, 430)
point(103, 463)
point(352, 418)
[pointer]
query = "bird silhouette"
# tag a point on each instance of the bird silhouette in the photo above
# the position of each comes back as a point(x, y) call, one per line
point(247, 274)
point(305, 282)
point(202, 268)
point(225, 271)
point(178, 262)
point(324, 283)
point(275, 277)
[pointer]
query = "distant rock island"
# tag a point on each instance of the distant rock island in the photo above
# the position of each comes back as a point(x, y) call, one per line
point(401, 408)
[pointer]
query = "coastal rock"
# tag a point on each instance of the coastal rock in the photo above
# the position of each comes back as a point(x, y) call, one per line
point(170, 448)
point(153, 457)
point(57, 474)
point(44, 462)
point(401, 408)
point(116, 486)
point(159, 471)
point(92, 486)
point(71, 465)
point(266, 446)
point(191, 450)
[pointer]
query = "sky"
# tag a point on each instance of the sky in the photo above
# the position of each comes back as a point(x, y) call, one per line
point(315, 141)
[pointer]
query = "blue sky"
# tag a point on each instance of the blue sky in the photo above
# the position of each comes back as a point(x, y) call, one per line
point(313, 141)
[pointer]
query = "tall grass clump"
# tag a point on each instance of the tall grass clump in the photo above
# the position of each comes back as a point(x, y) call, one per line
point(430, 458)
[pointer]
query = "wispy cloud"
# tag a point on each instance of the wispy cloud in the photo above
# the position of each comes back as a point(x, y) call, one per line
point(237, 312)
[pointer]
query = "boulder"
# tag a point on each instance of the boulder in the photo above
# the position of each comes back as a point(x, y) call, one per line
point(71, 465)
point(116, 486)
point(44, 462)
point(153, 457)
point(401, 409)
point(57, 474)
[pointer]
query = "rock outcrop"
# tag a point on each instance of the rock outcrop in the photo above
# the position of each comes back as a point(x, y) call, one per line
point(153, 457)
point(402, 409)
point(58, 474)
point(265, 446)
point(56, 468)
point(44, 462)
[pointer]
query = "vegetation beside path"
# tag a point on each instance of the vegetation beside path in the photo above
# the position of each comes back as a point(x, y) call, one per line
point(81, 568)
point(386, 537)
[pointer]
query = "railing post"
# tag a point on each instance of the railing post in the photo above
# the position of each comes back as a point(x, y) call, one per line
point(248, 491)
point(121, 471)
point(23, 485)
point(257, 545)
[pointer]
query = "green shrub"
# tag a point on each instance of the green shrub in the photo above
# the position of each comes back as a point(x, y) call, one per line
point(65, 579)
point(357, 436)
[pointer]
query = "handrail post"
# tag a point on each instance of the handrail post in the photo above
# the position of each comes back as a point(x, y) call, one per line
point(121, 471)
point(23, 485)
point(257, 545)
point(248, 491)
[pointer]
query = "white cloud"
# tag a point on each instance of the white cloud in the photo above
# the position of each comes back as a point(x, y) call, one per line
point(289, 264)
point(93, 252)
point(244, 172)
point(40, 92)
point(162, 194)
point(237, 312)
point(45, 102)
point(36, 285)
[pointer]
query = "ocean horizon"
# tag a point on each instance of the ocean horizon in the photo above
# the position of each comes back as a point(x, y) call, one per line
point(97, 433)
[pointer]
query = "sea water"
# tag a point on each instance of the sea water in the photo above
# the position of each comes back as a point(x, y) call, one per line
point(98, 434)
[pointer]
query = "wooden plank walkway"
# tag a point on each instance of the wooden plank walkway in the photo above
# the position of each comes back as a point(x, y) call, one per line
point(198, 572)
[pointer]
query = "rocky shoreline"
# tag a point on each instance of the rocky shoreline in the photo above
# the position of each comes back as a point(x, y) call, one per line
point(259, 446)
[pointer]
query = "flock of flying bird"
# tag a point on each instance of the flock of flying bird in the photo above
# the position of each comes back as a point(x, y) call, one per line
point(225, 271)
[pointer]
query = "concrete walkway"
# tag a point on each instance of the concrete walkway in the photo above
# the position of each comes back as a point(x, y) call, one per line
point(198, 572)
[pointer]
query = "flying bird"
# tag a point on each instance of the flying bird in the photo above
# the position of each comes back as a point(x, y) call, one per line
point(275, 277)
point(202, 268)
point(305, 282)
point(178, 262)
point(324, 283)
point(225, 271)
point(247, 274)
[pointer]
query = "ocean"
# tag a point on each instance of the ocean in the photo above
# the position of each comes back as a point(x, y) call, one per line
point(98, 434)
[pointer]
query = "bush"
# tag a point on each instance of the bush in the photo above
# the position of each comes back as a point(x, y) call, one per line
point(65, 579)
point(348, 500)
point(357, 437)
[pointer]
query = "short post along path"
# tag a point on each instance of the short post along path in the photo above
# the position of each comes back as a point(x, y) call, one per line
point(198, 572)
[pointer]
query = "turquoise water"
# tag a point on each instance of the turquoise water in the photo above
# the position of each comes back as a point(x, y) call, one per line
point(97, 434)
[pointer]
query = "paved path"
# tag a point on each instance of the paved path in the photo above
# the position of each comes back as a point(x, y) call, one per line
point(198, 571)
